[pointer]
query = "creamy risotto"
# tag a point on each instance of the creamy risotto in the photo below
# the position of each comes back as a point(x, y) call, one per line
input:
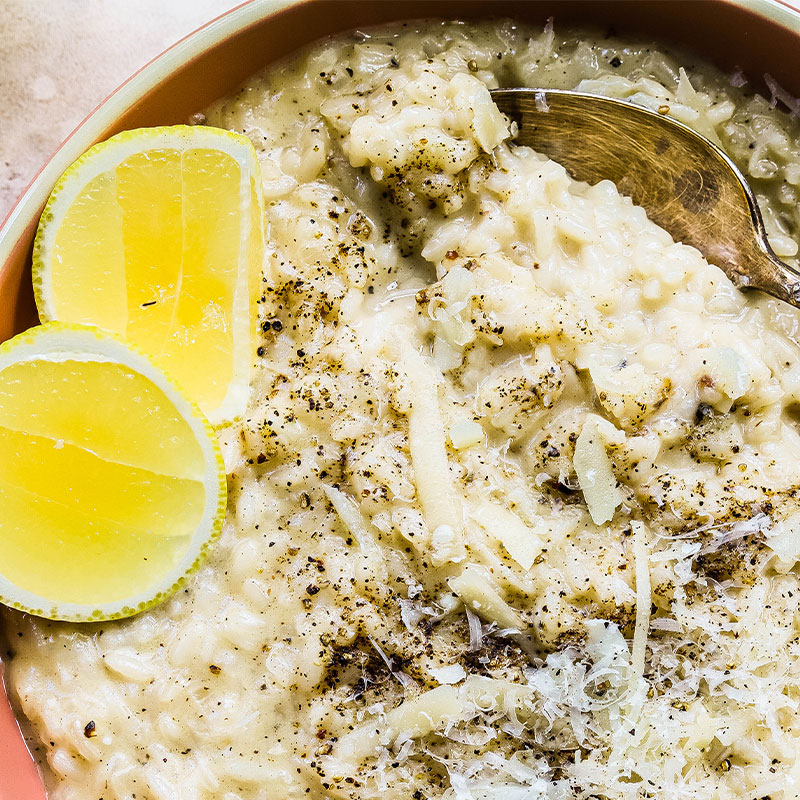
point(514, 511)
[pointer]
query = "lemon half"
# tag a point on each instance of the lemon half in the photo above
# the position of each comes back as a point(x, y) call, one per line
point(157, 236)
point(112, 483)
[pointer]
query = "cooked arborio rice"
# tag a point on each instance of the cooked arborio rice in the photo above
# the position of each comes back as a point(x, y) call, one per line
point(514, 511)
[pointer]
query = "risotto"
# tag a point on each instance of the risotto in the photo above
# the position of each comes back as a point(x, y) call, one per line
point(514, 510)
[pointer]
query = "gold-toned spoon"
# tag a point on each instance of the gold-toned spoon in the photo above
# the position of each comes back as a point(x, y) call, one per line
point(686, 184)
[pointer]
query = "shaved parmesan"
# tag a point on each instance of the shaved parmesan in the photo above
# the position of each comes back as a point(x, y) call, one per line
point(643, 599)
point(728, 370)
point(783, 538)
point(521, 542)
point(433, 711)
point(446, 545)
point(593, 468)
point(360, 529)
point(702, 729)
point(445, 355)
point(475, 630)
point(434, 484)
point(475, 589)
point(411, 719)
point(453, 673)
point(466, 433)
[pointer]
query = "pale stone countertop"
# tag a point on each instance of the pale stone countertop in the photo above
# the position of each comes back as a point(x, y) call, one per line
point(60, 58)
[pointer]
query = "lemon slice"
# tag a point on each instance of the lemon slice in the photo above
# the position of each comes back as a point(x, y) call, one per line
point(157, 235)
point(111, 482)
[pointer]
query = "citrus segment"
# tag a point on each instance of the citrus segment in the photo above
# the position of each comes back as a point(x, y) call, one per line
point(54, 397)
point(37, 528)
point(156, 235)
point(93, 228)
point(77, 478)
point(149, 195)
point(109, 493)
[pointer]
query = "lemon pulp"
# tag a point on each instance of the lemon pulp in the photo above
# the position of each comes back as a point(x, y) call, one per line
point(110, 481)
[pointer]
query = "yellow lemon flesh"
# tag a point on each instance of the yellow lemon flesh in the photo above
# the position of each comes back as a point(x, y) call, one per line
point(157, 235)
point(111, 481)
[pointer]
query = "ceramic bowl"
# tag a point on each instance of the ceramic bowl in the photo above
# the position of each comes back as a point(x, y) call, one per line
point(758, 36)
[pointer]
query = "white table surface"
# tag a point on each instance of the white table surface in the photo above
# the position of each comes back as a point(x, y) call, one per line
point(59, 58)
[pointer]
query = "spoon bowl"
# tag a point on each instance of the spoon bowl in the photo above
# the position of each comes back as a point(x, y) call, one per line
point(685, 183)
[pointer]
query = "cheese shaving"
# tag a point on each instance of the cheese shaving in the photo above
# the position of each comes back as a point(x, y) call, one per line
point(521, 542)
point(427, 441)
point(593, 468)
point(355, 523)
point(643, 599)
point(477, 592)
point(432, 711)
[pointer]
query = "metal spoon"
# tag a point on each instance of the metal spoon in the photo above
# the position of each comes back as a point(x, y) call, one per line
point(686, 184)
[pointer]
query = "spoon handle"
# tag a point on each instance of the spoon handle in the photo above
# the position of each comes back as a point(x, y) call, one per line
point(765, 271)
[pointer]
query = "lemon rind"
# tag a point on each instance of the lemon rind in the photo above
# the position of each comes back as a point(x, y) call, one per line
point(206, 533)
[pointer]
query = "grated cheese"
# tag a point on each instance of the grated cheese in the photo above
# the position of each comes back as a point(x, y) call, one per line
point(356, 524)
point(477, 592)
point(429, 453)
point(643, 600)
point(431, 711)
point(466, 433)
point(593, 468)
point(521, 542)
